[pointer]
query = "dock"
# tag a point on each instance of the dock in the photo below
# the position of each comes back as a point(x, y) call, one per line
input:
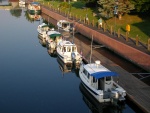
point(137, 91)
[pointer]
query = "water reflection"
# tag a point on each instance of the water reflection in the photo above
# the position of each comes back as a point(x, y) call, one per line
point(97, 107)
point(32, 17)
point(16, 12)
point(42, 41)
point(52, 52)
point(65, 68)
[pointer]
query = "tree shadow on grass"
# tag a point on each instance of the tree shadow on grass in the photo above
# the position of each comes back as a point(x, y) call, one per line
point(144, 26)
point(78, 5)
point(123, 29)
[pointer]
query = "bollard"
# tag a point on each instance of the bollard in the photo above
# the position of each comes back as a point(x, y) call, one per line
point(64, 13)
point(137, 40)
point(149, 44)
point(104, 27)
point(98, 26)
point(70, 15)
point(126, 36)
point(80, 18)
point(119, 33)
point(88, 22)
point(84, 21)
point(93, 23)
point(76, 17)
point(111, 30)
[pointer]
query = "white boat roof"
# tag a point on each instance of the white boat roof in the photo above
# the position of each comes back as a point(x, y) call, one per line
point(63, 21)
point(43, 24)
point(98, 71)
point(53, 32)
point(66, 43)
point(93, 68)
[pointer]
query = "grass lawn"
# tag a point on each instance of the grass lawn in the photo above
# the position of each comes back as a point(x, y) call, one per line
point(138, 25)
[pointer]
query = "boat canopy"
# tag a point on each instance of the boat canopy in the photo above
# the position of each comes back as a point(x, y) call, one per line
point(54, 35)
point(44, 25)
point(104, 74)
point(35, 3)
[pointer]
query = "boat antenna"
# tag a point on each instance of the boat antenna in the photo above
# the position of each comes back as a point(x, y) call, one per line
point(48, 20)
point(91, 49)
point(73, 34)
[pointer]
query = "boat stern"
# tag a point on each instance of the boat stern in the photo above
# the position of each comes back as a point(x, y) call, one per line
point(118, 96)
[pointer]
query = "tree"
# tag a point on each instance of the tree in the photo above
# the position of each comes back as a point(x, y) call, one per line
point(109, 8)
point(106, 8)
point(142, 5)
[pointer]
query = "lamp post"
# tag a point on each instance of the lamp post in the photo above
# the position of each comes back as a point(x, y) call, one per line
point(69, 6)
point(115, 13)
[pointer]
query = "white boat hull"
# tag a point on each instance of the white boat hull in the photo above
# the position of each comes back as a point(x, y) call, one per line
point(102, 88)
point(68, 52)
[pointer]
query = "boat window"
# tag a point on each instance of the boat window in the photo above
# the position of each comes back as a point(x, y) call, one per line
point(88, 75)
point(85, 72)
point(108, 78)
point(64, 49)
point(74, 49)
point(94, 79)
point(69, 49)
point(64, 25)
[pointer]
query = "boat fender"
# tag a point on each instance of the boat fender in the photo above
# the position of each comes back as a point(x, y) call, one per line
point(73, 56)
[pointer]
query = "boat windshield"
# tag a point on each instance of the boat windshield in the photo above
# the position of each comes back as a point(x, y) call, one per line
point(74, 49)
point(64, 49)
point(69, 49)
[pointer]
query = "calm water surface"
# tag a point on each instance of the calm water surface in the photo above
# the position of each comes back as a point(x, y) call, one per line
point(31, 81)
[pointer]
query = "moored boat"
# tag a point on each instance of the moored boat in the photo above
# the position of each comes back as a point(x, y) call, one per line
point(65, 68)
point(97, 107)
point(21, 2)
point(68, 53)
point(42, 29)
point(34, 17)
point(34, 8)
point(64, 25)
point(98, 80)
point(53, 38)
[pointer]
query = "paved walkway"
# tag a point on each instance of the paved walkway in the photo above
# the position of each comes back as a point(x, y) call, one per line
point(131, 42)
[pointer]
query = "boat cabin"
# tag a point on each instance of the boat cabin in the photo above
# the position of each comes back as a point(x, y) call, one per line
point(65, 25)
point(68, 47)
point(99, 77)
point(54, 35)
point(43, 27)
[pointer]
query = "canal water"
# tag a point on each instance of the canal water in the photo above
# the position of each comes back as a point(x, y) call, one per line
point(32, 81)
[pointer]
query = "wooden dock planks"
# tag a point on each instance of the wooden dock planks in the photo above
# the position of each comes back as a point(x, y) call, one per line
point(137, 91)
